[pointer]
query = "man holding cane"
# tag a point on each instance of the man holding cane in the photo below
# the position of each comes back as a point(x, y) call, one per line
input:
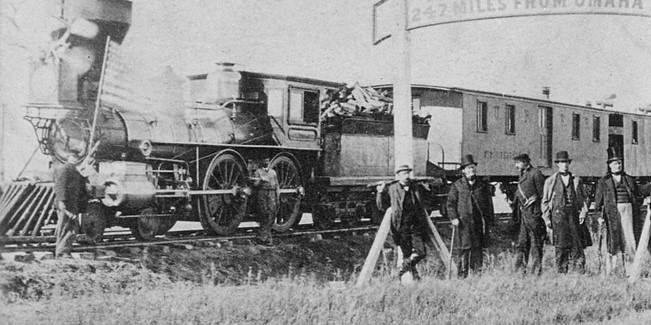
point(470, 208)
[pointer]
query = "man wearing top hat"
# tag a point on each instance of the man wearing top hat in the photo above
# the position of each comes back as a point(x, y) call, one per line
point(470, 208)
point(564, 208)
point(527, 202)
point(617, 200)
point(408, 219)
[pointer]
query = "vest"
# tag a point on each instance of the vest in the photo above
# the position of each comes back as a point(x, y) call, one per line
point(566, 193)
point(622, 192)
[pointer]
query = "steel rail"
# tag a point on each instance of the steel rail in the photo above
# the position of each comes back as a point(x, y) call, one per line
point(131, 242)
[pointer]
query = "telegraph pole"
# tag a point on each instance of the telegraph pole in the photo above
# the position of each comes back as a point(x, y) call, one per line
point(2, 144)
point(403, 145)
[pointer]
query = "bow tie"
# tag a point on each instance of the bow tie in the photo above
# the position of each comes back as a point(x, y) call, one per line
point(617, 173)
point(564, 174)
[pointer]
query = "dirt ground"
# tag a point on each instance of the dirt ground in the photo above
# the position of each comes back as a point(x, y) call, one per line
point(332, 259)
point(226, 263)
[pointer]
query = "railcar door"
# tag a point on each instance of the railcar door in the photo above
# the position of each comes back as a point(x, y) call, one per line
point(545, 123)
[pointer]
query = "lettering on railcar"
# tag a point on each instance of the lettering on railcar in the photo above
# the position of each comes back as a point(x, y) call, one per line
point(498, 154)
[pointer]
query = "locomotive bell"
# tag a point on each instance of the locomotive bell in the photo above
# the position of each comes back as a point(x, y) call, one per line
point(222, 84)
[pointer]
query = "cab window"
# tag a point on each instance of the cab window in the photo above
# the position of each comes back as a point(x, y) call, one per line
point(303, 106)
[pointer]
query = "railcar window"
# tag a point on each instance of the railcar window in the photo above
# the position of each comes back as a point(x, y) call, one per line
point(576, 126)
point(482, 117)
point(510, 119)
point(634, 132)
point(596, 127)
point(303, 106)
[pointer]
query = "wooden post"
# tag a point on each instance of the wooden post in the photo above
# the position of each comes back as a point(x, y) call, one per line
point(403, 141)
point(439, 244)
point(641, 247)
point(374, 253)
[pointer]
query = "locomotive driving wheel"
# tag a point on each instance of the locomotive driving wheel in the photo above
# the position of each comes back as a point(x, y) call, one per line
point(289, 205)
point(221, 214)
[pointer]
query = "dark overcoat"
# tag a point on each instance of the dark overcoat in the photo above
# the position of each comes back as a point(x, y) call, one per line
point(396, 195)
point(606, 202)
point(70, 188)
point(530, 189)
point(473, 206)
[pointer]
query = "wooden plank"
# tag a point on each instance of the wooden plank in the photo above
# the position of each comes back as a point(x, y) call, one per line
point(380, 237)
point(439, 244)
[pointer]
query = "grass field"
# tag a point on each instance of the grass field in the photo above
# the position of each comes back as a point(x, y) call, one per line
point(133, 294)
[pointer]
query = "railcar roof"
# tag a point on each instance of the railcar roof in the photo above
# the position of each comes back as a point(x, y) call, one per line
point(277, 77)
point(537, 100)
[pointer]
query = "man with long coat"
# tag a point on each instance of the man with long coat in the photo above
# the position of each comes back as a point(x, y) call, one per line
point(470, 209)
point(564, 208)
point(617, 199)
point(408, 218)
point(527, 202)
point(71, 198)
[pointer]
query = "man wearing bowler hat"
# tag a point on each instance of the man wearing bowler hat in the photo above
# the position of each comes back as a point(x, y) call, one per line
point(470, 208)
point(527, 203)
point(408, 219)
point(564, 208)
point(617, 201)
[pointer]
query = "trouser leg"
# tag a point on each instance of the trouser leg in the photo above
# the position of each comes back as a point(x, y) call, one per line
point(462, 258)
point(476, 259)
point(537, 238)
point(562, 255)
point(65, 234)
point(626, 214)
point(523, 247)
point(577, 258)
point(267, 207)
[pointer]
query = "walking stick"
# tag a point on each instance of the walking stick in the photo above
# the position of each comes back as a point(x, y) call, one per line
point(454, 230)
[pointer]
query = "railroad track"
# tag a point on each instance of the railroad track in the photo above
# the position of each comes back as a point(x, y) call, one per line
point(122, 238)
point(177, 237)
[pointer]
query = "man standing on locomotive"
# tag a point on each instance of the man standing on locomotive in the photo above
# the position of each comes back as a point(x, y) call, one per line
point(408, 219)
point(268, 196)
point(71, 198)
point(564, 208)
point(617, 199)
point(470, 208)
point(532, 226)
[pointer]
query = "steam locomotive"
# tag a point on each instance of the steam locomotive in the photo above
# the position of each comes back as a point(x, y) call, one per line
point(188, 155)
point(156, 165)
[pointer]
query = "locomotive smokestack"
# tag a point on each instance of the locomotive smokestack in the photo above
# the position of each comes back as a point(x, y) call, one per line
point(545, 92)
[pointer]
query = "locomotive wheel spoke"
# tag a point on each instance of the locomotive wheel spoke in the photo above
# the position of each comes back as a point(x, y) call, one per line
point(221, 214)
point(289, 177)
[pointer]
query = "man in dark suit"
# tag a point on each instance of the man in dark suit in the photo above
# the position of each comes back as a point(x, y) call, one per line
point(71, 199)
point(470, 209)
point(618, 200)
point(408, 219)
point(528, 202)
point(564, 207)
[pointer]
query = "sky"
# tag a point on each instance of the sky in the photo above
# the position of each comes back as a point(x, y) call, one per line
point(580, 57)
